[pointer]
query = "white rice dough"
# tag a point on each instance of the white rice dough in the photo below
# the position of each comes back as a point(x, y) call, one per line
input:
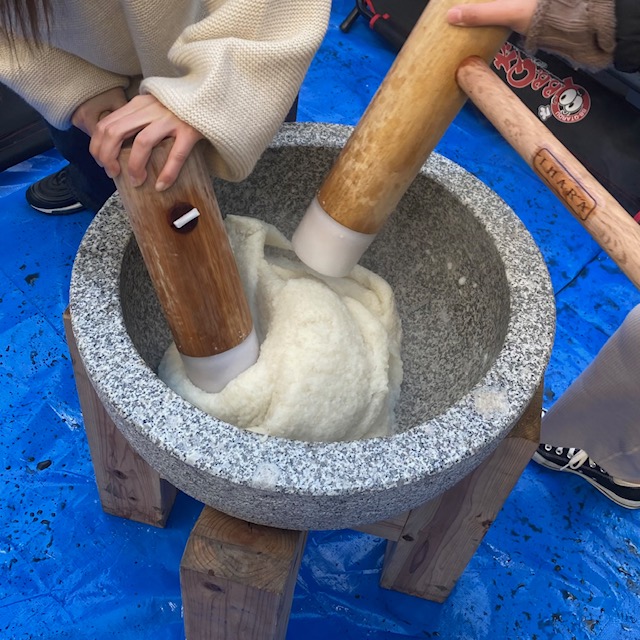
point(329, 366)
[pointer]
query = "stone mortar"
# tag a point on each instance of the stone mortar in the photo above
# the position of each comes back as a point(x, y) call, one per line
point(478, 317)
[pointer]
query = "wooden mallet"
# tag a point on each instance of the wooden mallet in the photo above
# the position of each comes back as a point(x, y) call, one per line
point(186, 250)
point(416, 102)
point(411, 110)
point(591, 204)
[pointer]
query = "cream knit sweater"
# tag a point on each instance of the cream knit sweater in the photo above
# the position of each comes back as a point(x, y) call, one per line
point(229, 68)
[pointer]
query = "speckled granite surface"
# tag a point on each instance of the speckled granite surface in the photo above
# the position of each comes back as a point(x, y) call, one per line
point(478, 319)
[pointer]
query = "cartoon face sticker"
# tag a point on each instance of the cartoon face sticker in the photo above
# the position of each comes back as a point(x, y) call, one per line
point(570, 101)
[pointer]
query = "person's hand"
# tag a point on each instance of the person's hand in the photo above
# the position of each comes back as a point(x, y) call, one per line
point(151, 122)
point(87, 115)
point(514, 14)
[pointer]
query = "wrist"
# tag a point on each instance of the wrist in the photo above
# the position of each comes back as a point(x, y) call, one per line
point(581, 30)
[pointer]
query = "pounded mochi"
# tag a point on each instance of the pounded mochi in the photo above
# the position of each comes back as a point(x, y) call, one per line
point(329, 366)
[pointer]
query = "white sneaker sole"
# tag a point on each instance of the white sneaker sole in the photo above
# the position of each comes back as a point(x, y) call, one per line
point(72, 208)
point(614, 497)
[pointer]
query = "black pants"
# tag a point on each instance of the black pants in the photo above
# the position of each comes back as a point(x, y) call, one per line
point(86, 179)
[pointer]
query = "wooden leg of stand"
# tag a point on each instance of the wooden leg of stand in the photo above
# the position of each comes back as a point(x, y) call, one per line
point(238, 578)
point(440, 537)
point(127, 485)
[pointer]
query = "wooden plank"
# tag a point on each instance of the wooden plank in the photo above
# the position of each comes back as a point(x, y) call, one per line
point(238, 579)
point(441, 536)
point(389, 529)
point(127, 485)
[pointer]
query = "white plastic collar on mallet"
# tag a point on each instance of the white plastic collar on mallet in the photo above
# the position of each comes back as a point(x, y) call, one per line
point(326, 245)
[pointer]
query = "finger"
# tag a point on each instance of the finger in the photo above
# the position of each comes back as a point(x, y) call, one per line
point(498, 13)
point(142, 148)
point(122, 124)
point(94, 145)
point(104, 150)
point(178, 155)
point(110, 134)
point(96, 117)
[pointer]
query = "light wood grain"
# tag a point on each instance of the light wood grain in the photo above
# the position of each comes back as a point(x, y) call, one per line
point(238, 579)
point(389, 529)
point(128, 487)
point(193, 271)
point(601, 215)
point(441, 536)
point(410, 112)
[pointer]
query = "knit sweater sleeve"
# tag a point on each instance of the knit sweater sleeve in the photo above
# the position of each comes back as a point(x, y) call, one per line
point(53, 81)
point(627, 55)
point(242, 67)
point(583, 31)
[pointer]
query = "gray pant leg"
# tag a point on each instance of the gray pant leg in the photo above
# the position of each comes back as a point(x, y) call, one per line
point(600, 411)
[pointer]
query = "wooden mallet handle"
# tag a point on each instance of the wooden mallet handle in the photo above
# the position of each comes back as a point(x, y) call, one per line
point(192, 269)
point(609, 224)
point(405, 120)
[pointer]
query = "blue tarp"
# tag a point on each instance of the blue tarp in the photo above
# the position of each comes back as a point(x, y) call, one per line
point(560, 561)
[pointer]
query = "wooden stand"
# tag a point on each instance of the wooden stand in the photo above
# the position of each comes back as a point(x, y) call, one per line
point(439, 538)
point(238, 578)
point(128, 487)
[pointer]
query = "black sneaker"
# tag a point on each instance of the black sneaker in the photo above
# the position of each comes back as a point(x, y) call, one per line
point(577, 461)
point(53, 196)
